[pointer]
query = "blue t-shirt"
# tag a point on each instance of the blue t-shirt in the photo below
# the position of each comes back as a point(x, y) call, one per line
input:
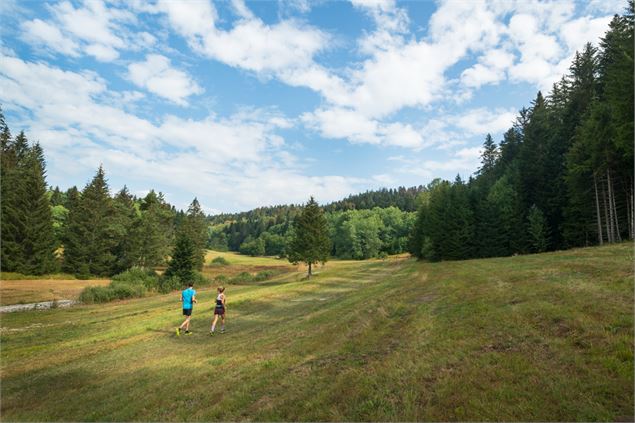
point(187, 295)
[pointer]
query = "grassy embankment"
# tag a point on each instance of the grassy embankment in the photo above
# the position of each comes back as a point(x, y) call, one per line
point(544, 337)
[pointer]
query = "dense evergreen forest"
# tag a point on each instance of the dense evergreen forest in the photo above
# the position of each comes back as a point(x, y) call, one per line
point(87, 232)
point(561, 177)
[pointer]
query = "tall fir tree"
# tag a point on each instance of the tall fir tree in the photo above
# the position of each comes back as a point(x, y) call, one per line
point(91, 233)
point(182, 263)
point(38, 244)
point(311, 243)
point(194, 226)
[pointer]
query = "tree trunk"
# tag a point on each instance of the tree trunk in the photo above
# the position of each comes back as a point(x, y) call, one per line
point(597, 210)
point(310, 273)
point(615, 227)
point(607, 224)
point(632, 199)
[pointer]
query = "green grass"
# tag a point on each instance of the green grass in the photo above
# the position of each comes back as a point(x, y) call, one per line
point(544, 337)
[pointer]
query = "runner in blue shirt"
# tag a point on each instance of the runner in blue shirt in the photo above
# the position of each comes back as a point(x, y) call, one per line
point(188, 297)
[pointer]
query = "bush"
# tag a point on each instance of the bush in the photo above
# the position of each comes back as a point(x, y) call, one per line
point(169, 283)
point(264, 275)
point(123, 290)
point(221, 279)
point(220, 261)
point(139, 276)
point(96, 294)
point(242, 277)
point(246, 277)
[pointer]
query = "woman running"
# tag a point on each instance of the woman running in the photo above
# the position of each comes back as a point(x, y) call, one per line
point(219, 310)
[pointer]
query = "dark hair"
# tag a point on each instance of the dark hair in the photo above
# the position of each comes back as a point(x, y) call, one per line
point(191, 284)
point(221, 289)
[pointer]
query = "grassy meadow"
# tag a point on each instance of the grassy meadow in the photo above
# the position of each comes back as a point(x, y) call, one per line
point(541, 337)
point(23, 291)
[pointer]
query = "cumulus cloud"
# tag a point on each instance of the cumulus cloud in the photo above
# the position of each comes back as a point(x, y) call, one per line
point(217, 158)
point(158, 76)
point(92, 28)
point(39, 32)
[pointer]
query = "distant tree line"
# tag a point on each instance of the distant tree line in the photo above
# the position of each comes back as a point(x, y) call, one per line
point(561, 177)
point(360, 226)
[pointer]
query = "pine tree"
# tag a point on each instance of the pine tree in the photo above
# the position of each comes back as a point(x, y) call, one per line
point(488, 156)
point(182, 263)
point(11, 190)
point(91, 234)
point(194, 226)
point(38, 245)
point(311, 243)
point(125, 216)
point(538, 230)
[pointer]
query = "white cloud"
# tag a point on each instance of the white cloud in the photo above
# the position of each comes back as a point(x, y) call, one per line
point(491, 69)
point(158, 76)
point(93, 27)
point(39, 32)
point(250, 44)
point(230, 163)
point(482, 121)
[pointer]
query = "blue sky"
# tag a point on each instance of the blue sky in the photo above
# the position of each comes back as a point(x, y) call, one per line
point(247, 104)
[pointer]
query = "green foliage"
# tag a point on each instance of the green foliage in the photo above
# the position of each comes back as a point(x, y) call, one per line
point(183, 260)
point(246, 277)
point(91, 232)
point(220, 261)
point(255, 247)
point(311, 243)
point(138, 276)
point(28, 239)
point(537, 228)
point(170, 283)
point(194, 226)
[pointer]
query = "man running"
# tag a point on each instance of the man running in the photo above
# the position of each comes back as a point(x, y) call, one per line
point(188, 297)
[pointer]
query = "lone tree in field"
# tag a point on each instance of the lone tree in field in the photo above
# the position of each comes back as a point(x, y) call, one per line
point(311, 243)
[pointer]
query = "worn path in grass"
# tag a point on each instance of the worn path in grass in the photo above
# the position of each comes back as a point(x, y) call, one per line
point(544, 337)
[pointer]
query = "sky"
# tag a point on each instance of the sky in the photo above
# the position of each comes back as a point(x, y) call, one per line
point(247, 104)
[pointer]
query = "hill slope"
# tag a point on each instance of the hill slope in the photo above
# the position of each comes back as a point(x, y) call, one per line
point(542, 337)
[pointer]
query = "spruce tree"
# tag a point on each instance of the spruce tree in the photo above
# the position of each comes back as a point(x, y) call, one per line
point(537, 228)
point(38, 245)
point(125, 216)
point(194, 226)
point(11, 190)
point(182, 263)
point(311, 243)
point(91, 234)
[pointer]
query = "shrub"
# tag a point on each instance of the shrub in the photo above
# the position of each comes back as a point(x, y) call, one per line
point(96, 294)
point(264, 275)
point(123, 290)
point(220, 261)
point(221, 279)
point(139, 276)
point(169, 283)
point(242, 277)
